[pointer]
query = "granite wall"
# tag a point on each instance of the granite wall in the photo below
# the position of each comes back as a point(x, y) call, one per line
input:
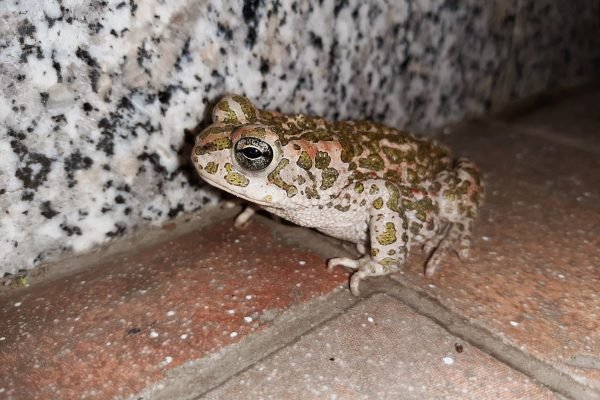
point(96, 97)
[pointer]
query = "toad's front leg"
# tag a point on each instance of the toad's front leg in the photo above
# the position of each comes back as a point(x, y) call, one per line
point(389, 246)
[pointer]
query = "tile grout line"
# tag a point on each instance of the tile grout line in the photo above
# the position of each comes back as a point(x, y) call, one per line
point(320, 311)
point(195, 379)
point(483, 339)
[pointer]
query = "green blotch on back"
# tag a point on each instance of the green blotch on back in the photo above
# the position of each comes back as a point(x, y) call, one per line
point(306, 122)
point(392, 175)
point(394, 155)
point(359, 187)
point(316, 136)
point(304, 161)
point(322, 160)
point(373, 162)
point(411, 176)
point(393, 202)
point(328, 178)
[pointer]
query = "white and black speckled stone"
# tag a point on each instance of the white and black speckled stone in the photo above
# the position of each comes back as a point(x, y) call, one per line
point(96, 95)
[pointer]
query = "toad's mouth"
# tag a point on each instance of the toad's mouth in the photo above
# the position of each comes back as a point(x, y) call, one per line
point(231, 189)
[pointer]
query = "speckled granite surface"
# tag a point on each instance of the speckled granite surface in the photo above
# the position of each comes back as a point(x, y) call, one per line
point(95, 97)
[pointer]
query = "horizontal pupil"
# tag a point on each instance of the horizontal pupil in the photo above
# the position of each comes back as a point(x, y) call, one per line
point(251, 152)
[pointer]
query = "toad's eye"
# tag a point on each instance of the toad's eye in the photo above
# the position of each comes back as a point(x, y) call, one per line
point(253, 154)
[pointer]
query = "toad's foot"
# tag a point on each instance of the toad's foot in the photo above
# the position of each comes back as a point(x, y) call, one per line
point(454, 237)
point(365, 267)
point(361, 248)
point(243, 219)
point(342, 262)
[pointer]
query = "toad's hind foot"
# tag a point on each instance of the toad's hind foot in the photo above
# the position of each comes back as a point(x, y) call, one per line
point(456, 237)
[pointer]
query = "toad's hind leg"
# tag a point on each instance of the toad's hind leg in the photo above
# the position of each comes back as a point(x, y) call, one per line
point(455, 237)
point(459, 201)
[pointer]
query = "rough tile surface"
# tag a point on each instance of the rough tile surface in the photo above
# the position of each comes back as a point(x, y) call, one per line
point(380, 349)
point(575, 123)
point(95, 96)
point(535, 272)
point(120, 327)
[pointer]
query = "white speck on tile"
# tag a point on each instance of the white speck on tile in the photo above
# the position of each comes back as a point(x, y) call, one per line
point(514, 323)
point(230, 312)
point(233, 334)
point(236, 241)
point(247, 319)
point(485, 238)
point(2, 338)
point(184, 336)
point(370, 319)
point(248, 297)
point(153, 334)
point(431, 285)
point(167, 360)
point(170, 313)
point(302, 262)
point(18, 303)
point(561, 276)
point(448, 360)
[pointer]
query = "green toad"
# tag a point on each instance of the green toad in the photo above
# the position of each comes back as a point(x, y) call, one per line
point(378, 187)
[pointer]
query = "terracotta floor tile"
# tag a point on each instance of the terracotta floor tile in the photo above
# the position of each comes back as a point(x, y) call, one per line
point(573, 119)
point(119, 327)
point(380, 349)
point(534, 277)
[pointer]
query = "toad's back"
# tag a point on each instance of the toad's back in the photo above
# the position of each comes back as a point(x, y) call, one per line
point(371, 150)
